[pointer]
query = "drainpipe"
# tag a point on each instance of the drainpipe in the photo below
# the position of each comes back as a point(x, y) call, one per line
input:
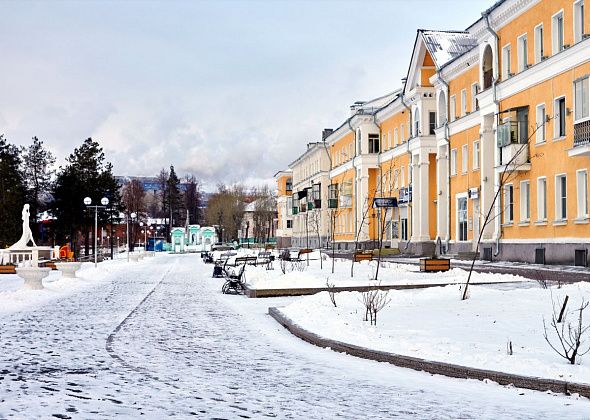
point(354, 174)
point(486, 16)
point(410, 160)
point(448, 140)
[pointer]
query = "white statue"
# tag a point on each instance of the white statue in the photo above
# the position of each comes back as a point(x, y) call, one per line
point(27, 235)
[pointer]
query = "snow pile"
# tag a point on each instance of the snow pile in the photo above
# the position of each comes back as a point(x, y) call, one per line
point(435, 324)
point(389, 274)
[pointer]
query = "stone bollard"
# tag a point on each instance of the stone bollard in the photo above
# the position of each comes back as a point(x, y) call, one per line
point(68, 269)
point(33, 276)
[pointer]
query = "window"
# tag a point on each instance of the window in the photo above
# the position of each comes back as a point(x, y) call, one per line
point(560, 197)
point(395, 137)
point(350, 151)
point(289, 224)
point(582, 186)
point(289, 184)
point(464, 154)
point(431, 122)
point(581, 98)
point(559, 110)
point(508, 203)
point(578, 20)
point(557, 28)
point(462, 218)
point(389, 139)
point(523, 51)
point(541, 120)
point(474, 102)
point(454, 162)
point(506, 62)
point(316, 192)
point(404, 223)
point(463, 102)
point(476, 154)
point(539, 44)
point(401, 133)
point(289, 206)
point(417, 130)
point(525, 201)
point(453, 108)
point(373, 143)
point(542, 199)
point(402, 181)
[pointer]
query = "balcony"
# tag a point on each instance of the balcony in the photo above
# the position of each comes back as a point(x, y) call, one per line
point(333, 203)
point(581, 139)
point(515, 157)
point(513, 143)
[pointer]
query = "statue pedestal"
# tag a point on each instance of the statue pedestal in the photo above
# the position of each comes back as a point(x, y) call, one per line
point(68, 269)
point(33, 276)
point(134, 257)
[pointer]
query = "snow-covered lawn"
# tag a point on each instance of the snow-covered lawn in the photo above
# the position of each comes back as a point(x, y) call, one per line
point(435, 324)
point(14, 297)
point(389, 273)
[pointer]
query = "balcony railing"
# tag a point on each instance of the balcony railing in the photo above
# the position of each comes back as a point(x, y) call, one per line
point(582, 133)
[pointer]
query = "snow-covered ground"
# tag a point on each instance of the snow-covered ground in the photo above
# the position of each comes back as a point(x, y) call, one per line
point(436, 325)
point(390, 273)
point(157, 339)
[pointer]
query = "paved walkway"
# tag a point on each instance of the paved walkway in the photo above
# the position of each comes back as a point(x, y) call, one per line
point(160, 340)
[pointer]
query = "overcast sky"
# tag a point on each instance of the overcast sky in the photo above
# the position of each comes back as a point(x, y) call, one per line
point(227, 90)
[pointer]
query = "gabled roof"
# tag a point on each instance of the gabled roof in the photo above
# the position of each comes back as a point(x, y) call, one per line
point(445, 46)
point(442, 46)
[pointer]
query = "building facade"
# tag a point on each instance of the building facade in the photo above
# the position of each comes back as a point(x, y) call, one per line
point(485, 146)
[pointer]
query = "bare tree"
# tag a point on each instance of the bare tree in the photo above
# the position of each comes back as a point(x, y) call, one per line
point(316, 227)
point(511, 171)
point(391, 181)
point(133, 196)
point(374, 300)
point(331, 291)
point(570, 337)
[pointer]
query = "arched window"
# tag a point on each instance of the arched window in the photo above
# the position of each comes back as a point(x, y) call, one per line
point(442, 109)
point(487, 67)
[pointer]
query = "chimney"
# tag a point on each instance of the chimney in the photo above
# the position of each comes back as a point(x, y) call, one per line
point(326, 133)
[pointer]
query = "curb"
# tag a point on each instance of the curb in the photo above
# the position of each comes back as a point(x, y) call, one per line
point(264, 293)
point(437, 368)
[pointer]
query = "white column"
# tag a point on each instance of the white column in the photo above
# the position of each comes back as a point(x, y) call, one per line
point(415, 198)
point(442, 217)
point(424, 196)
point(489, 159)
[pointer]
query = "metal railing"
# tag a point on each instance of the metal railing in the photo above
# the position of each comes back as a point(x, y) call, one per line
point(582, 133)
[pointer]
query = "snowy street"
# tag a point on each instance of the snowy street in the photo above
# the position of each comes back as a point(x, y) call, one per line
point(158, 339)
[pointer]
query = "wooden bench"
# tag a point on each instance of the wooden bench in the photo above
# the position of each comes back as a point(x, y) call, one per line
point(363, 256)
point(245, 260)
point(7, 269)
point(435, 264)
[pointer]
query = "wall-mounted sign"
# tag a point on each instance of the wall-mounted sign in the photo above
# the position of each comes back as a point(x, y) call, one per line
point(385, 202)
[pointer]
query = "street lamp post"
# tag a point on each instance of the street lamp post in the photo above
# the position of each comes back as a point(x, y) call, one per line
point(88, 201)
point(128, 248)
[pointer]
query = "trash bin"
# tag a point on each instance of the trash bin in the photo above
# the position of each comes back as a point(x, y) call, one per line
point(217, 271)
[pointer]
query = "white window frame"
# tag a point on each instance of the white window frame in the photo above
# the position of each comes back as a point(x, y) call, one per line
point(464, 158)
point(560, 195)
point(539, 43)
point(458, 197)
point(541, 121)
point(582, 193)
point(463, 102)
point(474, 93)
point(389, 139)
point(476, 154)
point(542, 199)
point(453, 108)
point(395, 136)
point(453, 162)
point(525, 201)
point(506, 61)
point(582, 118)
point(578, 25)
point(523, 51)
point(556, 120)
point(507, 204)
point(402, 177)
point(401, 133)
point(556, 47)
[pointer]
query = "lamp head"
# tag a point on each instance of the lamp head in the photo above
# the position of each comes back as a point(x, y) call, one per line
point(104, 201)
point(87, 201)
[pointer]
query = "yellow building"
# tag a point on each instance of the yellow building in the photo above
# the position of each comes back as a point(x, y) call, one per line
point(486, 145)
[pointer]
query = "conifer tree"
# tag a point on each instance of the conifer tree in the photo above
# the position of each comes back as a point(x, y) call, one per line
point(12, 193)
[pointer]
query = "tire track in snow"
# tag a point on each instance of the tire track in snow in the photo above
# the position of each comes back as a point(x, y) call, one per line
point(111, 338)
